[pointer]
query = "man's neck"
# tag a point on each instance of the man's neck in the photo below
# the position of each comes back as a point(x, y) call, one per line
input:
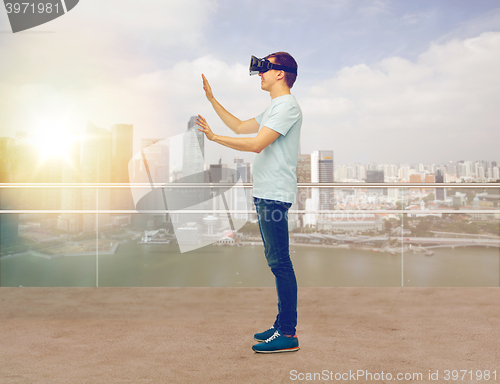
point(279, 91)
point(274, 95)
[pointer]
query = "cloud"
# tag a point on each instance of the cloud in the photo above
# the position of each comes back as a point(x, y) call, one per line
point(105, 41)
point(442, 106)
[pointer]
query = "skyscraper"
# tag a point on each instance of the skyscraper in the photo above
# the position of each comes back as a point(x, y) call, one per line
point(122, 136)
point(71, 198)
point(8, 222)
point(303, 176)
point(376, 176)
point(50, 170)
point(304, 168)
point(193, 171)
point(325, 166)
point(325, 175)
point(96, 168)
point(6, 146)
point(157, 153)
point(440, 192)
point(243, 170)
point(25, 161)
point(321, 172)
point(193, 155)
point(151, 165)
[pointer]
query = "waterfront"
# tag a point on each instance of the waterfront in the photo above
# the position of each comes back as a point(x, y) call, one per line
point(135, 265)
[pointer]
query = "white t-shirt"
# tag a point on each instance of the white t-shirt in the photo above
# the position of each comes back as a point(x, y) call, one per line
point(275, 167)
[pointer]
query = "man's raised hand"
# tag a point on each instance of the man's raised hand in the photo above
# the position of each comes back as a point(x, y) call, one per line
point(207, 88)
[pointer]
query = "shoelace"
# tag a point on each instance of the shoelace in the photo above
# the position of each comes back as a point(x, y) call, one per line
point(276, 334)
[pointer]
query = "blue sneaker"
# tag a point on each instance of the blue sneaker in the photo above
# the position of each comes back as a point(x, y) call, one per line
point(263, 336)
point(278, 343)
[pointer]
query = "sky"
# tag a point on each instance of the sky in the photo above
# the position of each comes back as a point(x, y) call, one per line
point(387, 81)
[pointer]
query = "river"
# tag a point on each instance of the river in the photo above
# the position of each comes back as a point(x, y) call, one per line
point(135, 265)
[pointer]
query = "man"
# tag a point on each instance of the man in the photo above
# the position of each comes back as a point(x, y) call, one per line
point(274, 182)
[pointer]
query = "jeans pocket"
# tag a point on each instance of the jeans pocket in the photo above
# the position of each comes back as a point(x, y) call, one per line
point(284, 204)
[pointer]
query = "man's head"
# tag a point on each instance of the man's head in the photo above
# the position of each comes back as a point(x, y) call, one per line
point(285, 59)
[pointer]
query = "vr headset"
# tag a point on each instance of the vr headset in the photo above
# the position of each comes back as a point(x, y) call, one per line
point(263, 65)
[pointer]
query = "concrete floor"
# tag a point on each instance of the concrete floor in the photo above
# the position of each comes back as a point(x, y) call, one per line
point(204, 335)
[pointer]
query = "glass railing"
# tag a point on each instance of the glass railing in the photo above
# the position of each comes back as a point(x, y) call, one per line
point(184, 235)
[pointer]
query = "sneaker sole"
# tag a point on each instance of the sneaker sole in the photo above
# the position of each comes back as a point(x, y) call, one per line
point(280, 350)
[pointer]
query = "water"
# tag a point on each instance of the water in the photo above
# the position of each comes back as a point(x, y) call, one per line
point(136, 265)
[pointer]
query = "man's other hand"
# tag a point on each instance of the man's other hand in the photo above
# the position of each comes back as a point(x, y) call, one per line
point(207, 88)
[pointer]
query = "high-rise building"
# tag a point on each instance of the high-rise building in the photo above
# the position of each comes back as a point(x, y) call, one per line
point(224, 197)
point(480, 172)
point(341, 173)
point(430, 179)
point(193, 156)
point(440, 192)
point(221, 173)
point(469, 168)
point(8, 222)
point(304, 168)
point(374, 176)
point(50, 170)
point(325, 166)
point(157, 153)
point(489, 173)
point(96, 168)
point(243, 198)
point(404, 172)
point(26, 158)
point(122, 137)
point(151, 165)
point(6, 147)
point(361, 172)
point(496, 173)
point(371, 166)
point(193, 171)
point(71, 198)
point(25, 162)
point(303, 176)
point(322, 172)
point(243, 169)
point(390, 172)
point(416, 178)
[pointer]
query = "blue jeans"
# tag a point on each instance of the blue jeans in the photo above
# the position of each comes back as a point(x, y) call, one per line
point(273, 224)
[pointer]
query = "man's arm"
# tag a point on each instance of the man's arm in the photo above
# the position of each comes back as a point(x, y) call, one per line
point(256, 144)
point(236, 125)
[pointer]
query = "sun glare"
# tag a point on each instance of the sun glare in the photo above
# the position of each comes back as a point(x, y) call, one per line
point(54, 141)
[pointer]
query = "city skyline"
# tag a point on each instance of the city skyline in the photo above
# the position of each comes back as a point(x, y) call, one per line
point(120, 152)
